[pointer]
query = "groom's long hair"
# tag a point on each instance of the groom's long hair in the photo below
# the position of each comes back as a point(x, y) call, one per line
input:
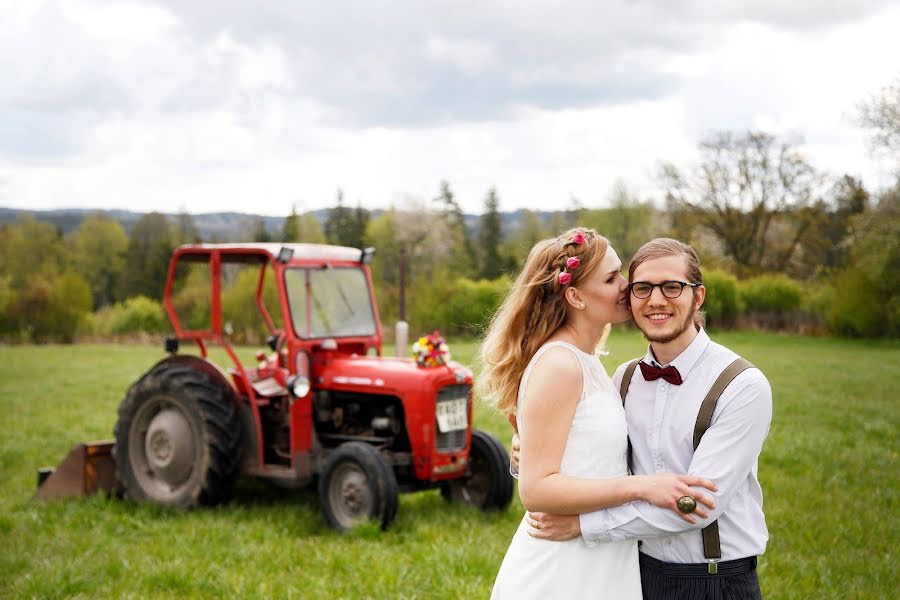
point(533, 309)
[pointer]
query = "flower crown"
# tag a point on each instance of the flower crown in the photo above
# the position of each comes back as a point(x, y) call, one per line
point(573, 262)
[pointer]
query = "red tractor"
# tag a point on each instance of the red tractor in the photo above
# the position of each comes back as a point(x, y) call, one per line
point(323, 406)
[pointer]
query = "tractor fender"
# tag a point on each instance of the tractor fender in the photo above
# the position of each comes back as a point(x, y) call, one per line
point(214, 371)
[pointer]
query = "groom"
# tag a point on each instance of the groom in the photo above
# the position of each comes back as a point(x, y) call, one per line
point(661, 406)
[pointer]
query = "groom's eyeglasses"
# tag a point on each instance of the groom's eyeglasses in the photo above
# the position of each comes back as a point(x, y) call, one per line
point(670, 289)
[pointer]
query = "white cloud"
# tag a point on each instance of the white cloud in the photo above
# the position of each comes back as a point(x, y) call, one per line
point(231, 106)
point(470, 56)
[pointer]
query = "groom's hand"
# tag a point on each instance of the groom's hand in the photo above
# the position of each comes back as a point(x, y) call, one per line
point(556, 528)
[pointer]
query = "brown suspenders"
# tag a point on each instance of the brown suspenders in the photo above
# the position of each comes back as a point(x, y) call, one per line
point(623, 391)
point(711, 548)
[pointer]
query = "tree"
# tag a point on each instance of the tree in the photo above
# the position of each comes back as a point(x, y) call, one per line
point(881, 114)
point(98, 253)
point(345, 226)
point(381, 234)
point(359, 222)
point(826, 246)
point(186, 231)
point(338, 224)
point(490, 236)
point(751, 192)
point(30, 248)
point(260, 231)
point(867, 292)
point(454, 222)
point(150, 246)
point(626, 223)
point(290, 231)
point(309, 230)
point(32, 257)
point(530, 230)
point(575, 210)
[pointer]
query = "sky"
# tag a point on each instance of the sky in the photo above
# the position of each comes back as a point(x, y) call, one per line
point(228, 105)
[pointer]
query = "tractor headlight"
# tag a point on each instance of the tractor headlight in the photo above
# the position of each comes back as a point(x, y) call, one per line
point(298, 383)
point(299, 386)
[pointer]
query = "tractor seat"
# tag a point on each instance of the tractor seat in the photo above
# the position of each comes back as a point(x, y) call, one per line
point(265, 387)
point(268, 387)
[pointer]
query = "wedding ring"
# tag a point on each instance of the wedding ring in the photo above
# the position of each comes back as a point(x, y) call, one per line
point(536, 525)
point(687, 504)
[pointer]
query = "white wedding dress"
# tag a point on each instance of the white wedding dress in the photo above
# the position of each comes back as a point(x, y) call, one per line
point(596, 449)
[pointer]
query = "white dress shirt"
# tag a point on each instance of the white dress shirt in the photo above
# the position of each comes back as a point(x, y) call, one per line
point(661, 421)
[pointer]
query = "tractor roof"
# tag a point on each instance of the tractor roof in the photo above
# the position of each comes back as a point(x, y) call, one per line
point(253, 251)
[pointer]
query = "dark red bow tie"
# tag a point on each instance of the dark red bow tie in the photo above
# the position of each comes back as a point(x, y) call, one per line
point(652, 373)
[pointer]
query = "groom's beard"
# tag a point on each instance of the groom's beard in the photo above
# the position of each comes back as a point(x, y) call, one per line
point(665, 338)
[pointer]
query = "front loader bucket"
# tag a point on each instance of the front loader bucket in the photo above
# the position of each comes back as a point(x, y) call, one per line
point(87, 469)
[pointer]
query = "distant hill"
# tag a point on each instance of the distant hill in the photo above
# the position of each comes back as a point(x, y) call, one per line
point(212, 226)
point(224, 226)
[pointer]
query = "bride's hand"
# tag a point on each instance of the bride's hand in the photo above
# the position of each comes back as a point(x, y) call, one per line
point(664, 490)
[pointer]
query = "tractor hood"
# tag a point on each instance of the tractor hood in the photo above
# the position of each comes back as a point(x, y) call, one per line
point(381, 375)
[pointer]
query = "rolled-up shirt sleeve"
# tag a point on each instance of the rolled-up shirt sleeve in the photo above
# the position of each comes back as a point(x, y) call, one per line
point(727, 453)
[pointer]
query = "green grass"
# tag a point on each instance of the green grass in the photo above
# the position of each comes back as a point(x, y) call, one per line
point(829, 474)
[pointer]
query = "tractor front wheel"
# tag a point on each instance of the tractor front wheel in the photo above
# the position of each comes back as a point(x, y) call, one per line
point(357, 485)
point(178, 439)
point(488, 484)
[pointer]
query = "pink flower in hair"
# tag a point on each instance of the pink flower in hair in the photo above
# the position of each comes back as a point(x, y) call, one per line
point(564, 278)
point(578, 239)
point(573, 262)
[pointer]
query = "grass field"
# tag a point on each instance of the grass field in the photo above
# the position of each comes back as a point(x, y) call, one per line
point(829, 473)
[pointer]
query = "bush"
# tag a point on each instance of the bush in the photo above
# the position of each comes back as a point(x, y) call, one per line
point(47, 308)
point(190, 295)
point(459, 306)
point(776, 294)
point(858, 309)
point(135, 315)
point(7, 298)
point(722, 305)
point(240, 310)
point(73, 303)
point(866, 301)
point(470, 304)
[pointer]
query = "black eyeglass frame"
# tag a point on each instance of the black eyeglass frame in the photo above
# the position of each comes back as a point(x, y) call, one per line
point(683, 285)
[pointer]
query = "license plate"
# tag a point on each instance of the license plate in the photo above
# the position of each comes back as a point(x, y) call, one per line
point(452, 415)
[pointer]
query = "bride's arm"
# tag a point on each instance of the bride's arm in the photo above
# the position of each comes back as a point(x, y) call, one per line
point(554, 389)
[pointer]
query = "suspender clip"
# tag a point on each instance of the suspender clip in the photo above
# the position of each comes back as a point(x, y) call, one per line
point(713, 566)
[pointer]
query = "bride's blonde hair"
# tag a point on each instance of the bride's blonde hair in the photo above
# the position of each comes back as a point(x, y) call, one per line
point(533, 309)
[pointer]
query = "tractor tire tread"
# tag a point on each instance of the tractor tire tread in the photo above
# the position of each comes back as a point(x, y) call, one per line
point(503, 490)
point(219, 424)
point(379, 474)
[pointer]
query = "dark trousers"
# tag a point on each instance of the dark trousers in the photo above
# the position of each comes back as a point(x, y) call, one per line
point(736, 580)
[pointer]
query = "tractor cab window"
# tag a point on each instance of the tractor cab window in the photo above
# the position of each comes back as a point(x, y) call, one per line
point(330, 302)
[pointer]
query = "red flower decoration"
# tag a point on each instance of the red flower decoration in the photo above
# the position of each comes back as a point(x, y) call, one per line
point(565, 278)
point(578, 239)
point(573, 262)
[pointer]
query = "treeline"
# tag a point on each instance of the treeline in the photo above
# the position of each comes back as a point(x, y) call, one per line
point(784, 247)
point(101, 281)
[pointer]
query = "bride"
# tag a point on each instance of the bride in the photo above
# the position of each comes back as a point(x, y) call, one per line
point(539, 363)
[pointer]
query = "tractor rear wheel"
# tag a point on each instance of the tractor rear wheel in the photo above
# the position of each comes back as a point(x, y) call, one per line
point(487, 484)
point(357, 485)
point(178, 439)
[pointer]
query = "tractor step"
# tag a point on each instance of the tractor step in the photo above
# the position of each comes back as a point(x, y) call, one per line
point(89, 468)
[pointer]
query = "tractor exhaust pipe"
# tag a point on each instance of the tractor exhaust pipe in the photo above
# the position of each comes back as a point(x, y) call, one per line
point(401, 338)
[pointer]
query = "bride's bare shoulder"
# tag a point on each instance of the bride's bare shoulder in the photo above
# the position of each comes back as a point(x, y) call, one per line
point(559, 370)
